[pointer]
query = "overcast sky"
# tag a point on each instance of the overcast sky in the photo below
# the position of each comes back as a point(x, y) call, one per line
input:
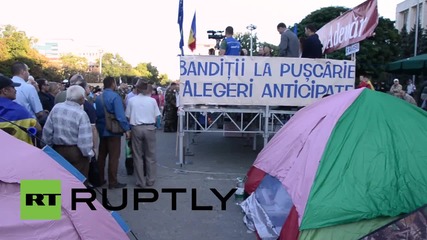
point(147, 31)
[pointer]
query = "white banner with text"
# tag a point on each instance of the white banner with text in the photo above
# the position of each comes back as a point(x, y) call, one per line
point(276, 81)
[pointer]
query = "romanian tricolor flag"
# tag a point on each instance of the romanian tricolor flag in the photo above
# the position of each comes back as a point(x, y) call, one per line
point(11, 112)
point(192, 37)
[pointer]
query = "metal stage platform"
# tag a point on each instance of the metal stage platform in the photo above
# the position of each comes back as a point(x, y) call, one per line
point(243, 121)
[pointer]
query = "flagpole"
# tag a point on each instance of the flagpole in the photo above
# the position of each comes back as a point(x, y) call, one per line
point(180, 21)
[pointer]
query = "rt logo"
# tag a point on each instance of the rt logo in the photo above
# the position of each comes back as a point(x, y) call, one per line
point(40, 199)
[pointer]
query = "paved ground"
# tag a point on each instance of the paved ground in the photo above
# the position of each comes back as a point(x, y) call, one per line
point(217, 162)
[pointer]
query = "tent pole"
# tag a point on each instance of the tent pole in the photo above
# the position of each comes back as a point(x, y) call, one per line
point(266, 123)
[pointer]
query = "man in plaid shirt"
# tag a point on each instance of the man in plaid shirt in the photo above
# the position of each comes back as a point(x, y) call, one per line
point(69, 132)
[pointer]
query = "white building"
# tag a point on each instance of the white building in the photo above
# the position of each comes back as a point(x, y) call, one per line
point(406, 13)
point(55, 48)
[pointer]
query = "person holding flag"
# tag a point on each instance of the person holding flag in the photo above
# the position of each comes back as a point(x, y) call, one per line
point(192, 37)
point(365, 82)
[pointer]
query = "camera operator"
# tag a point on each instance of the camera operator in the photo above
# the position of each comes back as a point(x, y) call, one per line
point(229, 45)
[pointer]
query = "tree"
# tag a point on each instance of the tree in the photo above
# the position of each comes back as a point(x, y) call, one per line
point(74, 64)
point(319, 18)
point(245, 41)
point(142, 70)
point(274, 48)
point(405, 47)
point(114, 65)
point(164, 80)
point(17, 43)
point(16, 46)
point(377, 51)
point(421, 46)
point(154, 73)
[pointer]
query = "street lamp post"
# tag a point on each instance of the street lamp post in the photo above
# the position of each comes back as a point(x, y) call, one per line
point(251, 28)
point(100, 62)
point(417, 19)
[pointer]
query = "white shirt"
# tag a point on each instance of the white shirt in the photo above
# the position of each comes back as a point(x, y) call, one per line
point(410, 88)
point(142, 109)
point(27, 96)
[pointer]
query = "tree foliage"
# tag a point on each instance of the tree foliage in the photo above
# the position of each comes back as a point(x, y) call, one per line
point(154, 73)
point(407, 45)
point(114, 65)
point(274, 48)
point(142, 70)
point(164, 79)
point(245, 41)
point(320, 17)
point(16, 46)
point(377, 51)
point(74, 64)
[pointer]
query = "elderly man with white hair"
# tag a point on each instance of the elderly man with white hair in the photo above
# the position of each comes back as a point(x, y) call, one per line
point(69, 132)
point(396, 87)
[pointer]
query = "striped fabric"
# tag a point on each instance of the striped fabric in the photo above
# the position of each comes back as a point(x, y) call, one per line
point(17, 114)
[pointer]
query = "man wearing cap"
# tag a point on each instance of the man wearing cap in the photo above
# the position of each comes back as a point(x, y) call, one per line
point(396, 87)
point(26, 94)
point(13, 116)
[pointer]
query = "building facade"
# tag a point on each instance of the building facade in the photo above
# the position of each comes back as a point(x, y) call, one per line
point(55, 48)
point(406, 14)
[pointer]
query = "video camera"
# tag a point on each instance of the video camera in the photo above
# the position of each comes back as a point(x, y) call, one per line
point(215, 35)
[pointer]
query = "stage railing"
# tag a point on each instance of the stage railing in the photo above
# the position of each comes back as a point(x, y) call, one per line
point(244, 120)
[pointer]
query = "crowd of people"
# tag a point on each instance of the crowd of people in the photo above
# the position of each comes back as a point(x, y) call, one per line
point(85, 124)
point(397, 90)
point(310, 46)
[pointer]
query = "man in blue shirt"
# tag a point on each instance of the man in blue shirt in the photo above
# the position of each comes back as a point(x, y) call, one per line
point(110, 143)
point(230, 45)
point(26, 94)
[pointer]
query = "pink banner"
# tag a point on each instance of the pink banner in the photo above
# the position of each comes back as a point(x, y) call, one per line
point(351, 27)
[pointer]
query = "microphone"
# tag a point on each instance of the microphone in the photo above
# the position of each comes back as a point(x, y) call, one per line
point(32, 131)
